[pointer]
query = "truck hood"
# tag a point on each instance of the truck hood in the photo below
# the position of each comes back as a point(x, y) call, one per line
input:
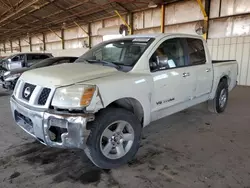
point(66, 74)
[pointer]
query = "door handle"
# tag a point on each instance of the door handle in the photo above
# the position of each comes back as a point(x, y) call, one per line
point(208, 70)
point(186, 74)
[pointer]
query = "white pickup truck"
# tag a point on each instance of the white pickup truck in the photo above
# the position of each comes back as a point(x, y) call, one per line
point(101, 102)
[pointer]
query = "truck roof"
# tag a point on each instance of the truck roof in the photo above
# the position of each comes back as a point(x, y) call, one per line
point(160, 35)
point(20, 53)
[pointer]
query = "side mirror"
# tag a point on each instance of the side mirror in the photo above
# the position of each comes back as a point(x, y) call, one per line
point(162, 61)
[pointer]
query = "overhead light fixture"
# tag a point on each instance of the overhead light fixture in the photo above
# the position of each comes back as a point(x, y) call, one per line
point(152, 4)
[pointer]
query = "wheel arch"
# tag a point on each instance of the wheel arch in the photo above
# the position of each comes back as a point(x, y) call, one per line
point(225, 78)
point(132, 105)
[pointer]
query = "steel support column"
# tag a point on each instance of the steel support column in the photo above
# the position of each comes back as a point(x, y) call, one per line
point(30, 43)
point(131, 22)
point(89, 35)
point(163, 18)
point(44, 43)
point(11, 47)
point(19, 44)
point(205, 11)
point(62, 38)
point(4, 47)
point(124, 21)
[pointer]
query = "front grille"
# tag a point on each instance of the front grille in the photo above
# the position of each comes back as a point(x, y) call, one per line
point(44, 96)
point(27, 91)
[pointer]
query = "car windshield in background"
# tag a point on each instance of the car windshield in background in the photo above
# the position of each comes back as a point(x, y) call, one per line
point(43, 63)
point(117, 53)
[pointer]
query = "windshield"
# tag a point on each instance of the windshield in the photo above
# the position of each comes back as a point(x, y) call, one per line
point(123, 53)
point(43, 63)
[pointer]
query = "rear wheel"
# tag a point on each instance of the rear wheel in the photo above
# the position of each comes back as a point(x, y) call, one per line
point(114, 138)
point(221, 97)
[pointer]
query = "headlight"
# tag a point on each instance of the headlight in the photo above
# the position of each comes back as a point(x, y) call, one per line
point(4, 65)
point(75, 96)
point(11, 77)
point(6, 73)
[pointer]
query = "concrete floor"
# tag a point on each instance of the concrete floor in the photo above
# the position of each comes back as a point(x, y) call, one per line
point(193, 149)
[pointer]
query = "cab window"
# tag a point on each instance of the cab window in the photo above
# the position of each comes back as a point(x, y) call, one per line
point(196, 51)
point(170, 54)
point(18, 58)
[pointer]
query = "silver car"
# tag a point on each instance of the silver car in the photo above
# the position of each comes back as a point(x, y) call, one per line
point(21, 60)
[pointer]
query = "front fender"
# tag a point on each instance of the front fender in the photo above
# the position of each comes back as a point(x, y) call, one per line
point(119, 88)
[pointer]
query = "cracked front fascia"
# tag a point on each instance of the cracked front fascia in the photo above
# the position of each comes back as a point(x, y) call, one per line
point(77, 132)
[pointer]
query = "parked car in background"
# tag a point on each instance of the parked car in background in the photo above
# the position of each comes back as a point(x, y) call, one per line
point(23, 60)
point(2, 71)
point(1, 58)
point(101, 102)
point(10, 78)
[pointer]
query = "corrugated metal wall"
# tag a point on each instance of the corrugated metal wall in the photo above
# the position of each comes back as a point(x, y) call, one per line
point(230, 49)
point(229, 36)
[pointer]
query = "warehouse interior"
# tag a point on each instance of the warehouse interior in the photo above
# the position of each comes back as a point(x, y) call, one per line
point(193, 148)
point(66, 28)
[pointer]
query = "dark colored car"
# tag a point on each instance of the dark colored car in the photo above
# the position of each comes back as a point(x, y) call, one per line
point(10, 78)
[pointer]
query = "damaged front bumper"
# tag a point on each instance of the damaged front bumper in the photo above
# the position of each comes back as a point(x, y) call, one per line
point(63, 130)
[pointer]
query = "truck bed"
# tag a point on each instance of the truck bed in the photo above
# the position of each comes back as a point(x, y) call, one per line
point(222, 61)
point(227, 68)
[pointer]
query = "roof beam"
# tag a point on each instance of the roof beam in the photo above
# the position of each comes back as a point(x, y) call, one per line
point(64, 9)
point(15, 7)
point(57, 18)
point(61, 20)
point(120, 5)
point(5, 4)
point(53, 14)
point(11, 5)
point(54, 27)
point(19, 10)
point(25, 14)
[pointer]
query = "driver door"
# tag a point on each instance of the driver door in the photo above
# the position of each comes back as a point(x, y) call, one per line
point(172, 84)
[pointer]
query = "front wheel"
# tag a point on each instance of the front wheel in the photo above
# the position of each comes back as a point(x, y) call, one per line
point(114, 138)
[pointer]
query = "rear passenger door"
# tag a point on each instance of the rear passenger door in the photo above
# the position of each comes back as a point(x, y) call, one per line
point(200, 67)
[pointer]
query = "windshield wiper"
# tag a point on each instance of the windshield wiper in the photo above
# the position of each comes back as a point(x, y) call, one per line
point(105, 63)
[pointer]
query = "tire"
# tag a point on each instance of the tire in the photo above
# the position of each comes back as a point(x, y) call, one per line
point(110, 119)
point(222, 88)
